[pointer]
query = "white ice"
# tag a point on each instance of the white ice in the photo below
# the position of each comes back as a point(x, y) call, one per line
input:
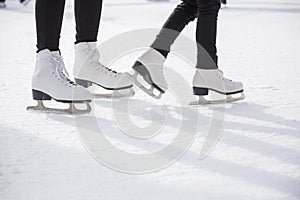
point(257, 155)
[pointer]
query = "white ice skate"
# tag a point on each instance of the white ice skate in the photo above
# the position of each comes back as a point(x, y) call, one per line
point(50, 82)
point(88, 70)
point(150, 67)
point(213, 80)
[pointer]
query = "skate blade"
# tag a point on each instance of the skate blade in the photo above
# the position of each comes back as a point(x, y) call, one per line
point(117, 94)
point(149, 91)
point(229, 99)
point(72, 110)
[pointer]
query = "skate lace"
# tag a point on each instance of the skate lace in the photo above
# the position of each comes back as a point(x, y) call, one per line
point(221, 75)
point(62, 72)
point(95, 62)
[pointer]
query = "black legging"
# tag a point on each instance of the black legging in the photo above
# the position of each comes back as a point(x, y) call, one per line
point(49, 15)
point(207, 13)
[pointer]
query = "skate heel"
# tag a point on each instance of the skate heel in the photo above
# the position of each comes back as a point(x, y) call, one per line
point(83, 83)
point(38, 95)
point(200, 91)
point(142, 70)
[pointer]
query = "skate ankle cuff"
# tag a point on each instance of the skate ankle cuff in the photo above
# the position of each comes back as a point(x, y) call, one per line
point(151, 56)
point(85, 45)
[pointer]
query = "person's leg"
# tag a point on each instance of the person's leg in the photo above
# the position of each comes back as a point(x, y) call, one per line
point(151, 63)
point(180, 17)
point(87, 68)
point(208, 77)
point(49, 15)
point(49, 80)
point(87, 16)
point(207, 31)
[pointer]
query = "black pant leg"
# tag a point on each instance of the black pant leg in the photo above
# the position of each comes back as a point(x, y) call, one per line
point(180, 17)
point(87, 16)
point(49, 15)
point(207, 31)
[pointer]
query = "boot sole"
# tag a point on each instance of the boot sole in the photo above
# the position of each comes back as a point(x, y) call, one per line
point(38, 95)
point(86, 84)
point(201, 91)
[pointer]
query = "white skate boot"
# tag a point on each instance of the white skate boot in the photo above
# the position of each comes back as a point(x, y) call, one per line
point(150, 67)
point(50, 82)
point(205, 80)
point(88, 70)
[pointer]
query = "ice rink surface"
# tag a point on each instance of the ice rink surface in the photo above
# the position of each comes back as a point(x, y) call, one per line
point(258, 152)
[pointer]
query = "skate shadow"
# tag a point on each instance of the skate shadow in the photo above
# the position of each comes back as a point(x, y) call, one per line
point(38, 161)
point(240, 109)
point(85, 121)
point(290, 128)
point(259, 112)
point(230, 137)
point(249, 174)
point(148, 111)
point(94, 123)
point(36, 148)
point(233, 131)
point(271, 180)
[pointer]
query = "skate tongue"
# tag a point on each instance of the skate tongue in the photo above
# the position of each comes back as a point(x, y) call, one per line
point(224, 78)
point(92, 45)
point(85, 45)
point(62, 71)
point(96, 57)
point(61, 68)
point(55, 54)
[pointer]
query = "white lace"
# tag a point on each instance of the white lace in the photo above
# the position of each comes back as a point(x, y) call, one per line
point(62, 72)
point(221, 75)
point(95, 62)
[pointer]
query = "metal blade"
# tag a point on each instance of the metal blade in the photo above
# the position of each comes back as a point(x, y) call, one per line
point(72, 110)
